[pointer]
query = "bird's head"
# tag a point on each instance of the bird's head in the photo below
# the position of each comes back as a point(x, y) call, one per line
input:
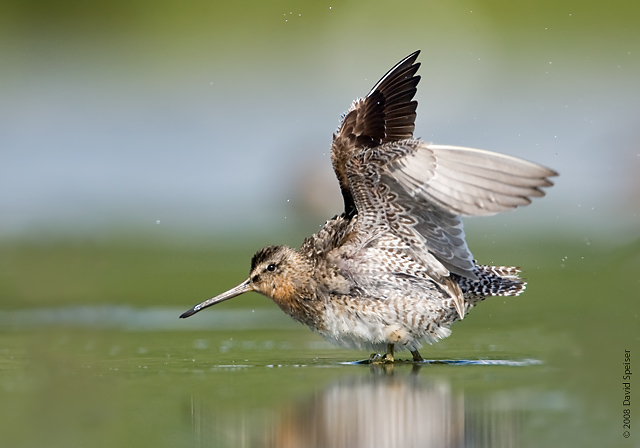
point(276, 272)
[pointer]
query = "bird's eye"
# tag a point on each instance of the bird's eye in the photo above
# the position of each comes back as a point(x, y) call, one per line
point(271, 267)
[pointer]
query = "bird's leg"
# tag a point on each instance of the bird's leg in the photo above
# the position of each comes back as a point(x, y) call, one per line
point(416, 356)
point(389, 356)
point(377, 358)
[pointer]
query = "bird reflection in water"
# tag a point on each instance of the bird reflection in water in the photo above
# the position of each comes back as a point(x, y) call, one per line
point(386, 408)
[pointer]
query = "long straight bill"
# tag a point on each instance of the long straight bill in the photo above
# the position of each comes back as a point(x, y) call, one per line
point(233, 292)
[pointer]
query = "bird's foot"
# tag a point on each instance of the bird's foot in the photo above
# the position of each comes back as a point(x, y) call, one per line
point(388, 358)
point(379, 358)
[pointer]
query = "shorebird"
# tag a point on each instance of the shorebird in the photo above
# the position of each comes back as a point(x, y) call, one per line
point(394, 269)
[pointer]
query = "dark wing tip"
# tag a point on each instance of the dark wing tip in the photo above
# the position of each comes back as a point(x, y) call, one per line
point(389, 110)
point(400, 66)
point(386, 114)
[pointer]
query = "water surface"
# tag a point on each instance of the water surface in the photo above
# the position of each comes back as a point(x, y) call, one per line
point(543, 369)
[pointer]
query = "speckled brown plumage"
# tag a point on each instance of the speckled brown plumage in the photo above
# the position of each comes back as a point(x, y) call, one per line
point(394, 269)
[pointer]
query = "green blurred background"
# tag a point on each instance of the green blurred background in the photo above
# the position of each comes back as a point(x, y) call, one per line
point(147, 149)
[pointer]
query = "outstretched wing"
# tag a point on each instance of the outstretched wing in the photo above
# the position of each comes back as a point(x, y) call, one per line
point(386, 114)
point(420, 191)
point(466, 181)
point(415, 193)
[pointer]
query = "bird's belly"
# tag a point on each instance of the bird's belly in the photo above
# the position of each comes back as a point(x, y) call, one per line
point(371, 324)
